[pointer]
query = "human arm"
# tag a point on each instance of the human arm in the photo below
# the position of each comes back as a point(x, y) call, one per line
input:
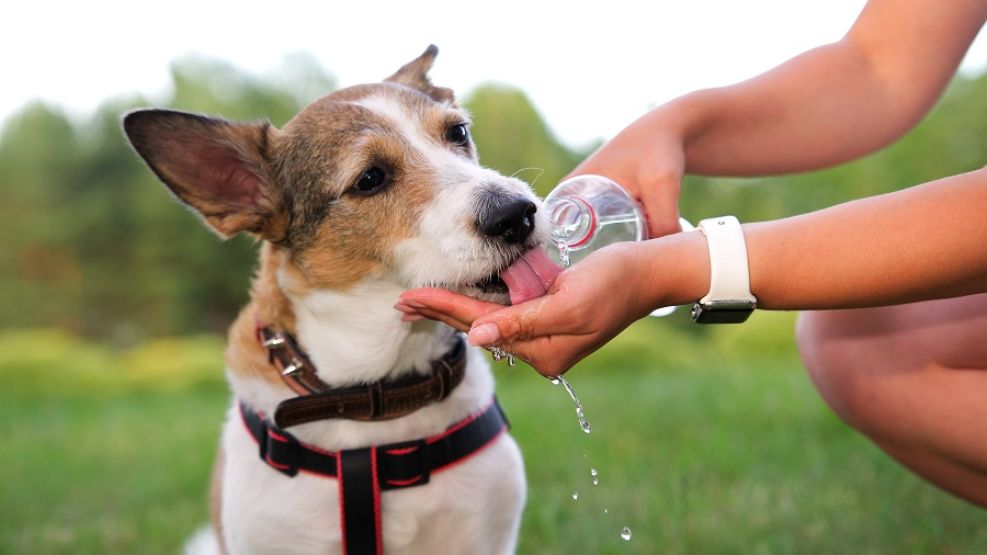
point(926, 242)
point(826, 106)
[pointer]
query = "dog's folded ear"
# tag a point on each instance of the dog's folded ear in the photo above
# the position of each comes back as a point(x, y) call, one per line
point(219, 168)
point(414, 74)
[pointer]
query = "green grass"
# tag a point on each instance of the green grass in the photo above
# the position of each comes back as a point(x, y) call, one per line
point(714, 454)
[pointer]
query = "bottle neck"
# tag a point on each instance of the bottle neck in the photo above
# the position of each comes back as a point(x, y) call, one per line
point(573, 221)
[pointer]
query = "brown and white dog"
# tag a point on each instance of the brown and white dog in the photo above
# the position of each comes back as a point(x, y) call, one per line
point(367, 192)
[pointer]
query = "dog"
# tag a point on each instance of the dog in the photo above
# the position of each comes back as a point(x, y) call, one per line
point(367, 192)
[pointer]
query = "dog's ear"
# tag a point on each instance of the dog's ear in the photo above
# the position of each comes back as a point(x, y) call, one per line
point(415, 75)
point(219, 168)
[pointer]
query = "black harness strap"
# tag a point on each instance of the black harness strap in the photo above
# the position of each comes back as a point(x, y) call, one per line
point(359, 493)
point(364, 473)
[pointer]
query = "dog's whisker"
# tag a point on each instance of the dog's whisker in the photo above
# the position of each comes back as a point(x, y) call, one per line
point(541, 172)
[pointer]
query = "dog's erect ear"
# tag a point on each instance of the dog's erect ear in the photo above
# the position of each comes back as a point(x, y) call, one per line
point(415, 75)
point(220, 168)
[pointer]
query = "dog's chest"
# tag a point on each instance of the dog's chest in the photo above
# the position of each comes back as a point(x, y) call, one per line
point(265, 511)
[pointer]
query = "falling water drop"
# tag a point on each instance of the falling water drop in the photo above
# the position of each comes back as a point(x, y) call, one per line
point(510, 360)
point(625, 534)
point(583, 422)
point(563, 247)
point(575, 495)
point(555, 381)
point(595, 475)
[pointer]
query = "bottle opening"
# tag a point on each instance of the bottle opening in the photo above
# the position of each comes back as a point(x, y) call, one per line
point(573, 221)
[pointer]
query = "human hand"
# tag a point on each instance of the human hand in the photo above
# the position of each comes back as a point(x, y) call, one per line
point(588, 305)
point(648, 159)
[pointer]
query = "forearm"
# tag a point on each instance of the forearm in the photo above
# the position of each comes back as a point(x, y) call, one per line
point(921, 243)
point(833, 103)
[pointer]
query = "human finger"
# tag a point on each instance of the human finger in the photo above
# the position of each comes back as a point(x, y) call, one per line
point(440, 301)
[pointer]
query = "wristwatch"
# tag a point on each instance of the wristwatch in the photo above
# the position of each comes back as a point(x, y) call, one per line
point(729, 300)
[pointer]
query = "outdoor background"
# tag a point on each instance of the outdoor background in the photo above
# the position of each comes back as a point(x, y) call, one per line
point(114, 300)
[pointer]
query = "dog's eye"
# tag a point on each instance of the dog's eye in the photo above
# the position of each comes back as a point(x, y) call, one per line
point(458, 134)
point(370, 182)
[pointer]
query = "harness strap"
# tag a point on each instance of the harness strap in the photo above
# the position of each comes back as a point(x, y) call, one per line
point(359, 496)
point(363, 473)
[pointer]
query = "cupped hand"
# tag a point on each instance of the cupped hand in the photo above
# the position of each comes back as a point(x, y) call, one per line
point(648, 159)
point(586, 306)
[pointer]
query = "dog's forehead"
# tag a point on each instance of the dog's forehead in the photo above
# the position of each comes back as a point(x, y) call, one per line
point(357, 109)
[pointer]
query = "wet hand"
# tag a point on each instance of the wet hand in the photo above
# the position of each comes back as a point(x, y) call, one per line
point(586, 306)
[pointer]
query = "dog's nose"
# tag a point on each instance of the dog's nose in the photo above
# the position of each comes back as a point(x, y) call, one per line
point(511, 219)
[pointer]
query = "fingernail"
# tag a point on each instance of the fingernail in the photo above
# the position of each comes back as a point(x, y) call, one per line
point(404, 308)
point(411, 317)
point(413, 303)
point(484, 334)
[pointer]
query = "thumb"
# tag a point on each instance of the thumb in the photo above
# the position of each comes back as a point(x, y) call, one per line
point(660, 199)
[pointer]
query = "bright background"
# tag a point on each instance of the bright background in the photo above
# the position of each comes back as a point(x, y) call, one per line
point(589, 67)
point(113, 300)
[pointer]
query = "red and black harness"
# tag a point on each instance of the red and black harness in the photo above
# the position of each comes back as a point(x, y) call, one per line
point(362, 474)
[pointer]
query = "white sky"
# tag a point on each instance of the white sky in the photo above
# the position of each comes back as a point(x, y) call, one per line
point(590, 67)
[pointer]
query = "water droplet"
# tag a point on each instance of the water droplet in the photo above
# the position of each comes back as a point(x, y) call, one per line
point(595, 475)
point(498, 354)
point(625, 534)
point(555, 381)
point(575, 495)
point(510, 360)
point(563, 247)
point(606, 511)
point(583, 422)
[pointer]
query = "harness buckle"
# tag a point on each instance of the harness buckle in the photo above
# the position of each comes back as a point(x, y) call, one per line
point(403, 465)
point(279, 449)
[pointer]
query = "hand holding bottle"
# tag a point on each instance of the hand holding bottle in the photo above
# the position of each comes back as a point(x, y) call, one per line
point(648, 159)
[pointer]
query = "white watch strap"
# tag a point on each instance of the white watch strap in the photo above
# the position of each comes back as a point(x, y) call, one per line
point(729, 274)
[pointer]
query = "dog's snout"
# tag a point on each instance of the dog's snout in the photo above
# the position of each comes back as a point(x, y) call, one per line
point(511, 219)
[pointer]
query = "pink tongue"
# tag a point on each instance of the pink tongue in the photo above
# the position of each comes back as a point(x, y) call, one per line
point(530, 276)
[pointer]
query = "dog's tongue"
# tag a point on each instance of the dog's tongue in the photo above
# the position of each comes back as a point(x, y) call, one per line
point(530, 276)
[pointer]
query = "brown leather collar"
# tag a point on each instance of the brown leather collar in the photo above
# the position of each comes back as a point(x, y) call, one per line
point(381, 400)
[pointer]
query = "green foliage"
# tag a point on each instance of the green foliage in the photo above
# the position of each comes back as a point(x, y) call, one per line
point(96, 245)
point(513, 139)
point(53, 362)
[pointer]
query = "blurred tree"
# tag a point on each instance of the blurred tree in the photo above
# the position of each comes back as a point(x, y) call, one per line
point(513, 139)
point(40, 154)
point(98, 244)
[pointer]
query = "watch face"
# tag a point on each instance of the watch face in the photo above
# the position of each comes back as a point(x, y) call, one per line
point(721, 315)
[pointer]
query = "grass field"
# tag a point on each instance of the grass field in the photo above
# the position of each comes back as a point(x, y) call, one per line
point(716, 453)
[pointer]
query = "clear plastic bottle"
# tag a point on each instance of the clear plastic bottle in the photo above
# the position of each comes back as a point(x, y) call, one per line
point(589, 212)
